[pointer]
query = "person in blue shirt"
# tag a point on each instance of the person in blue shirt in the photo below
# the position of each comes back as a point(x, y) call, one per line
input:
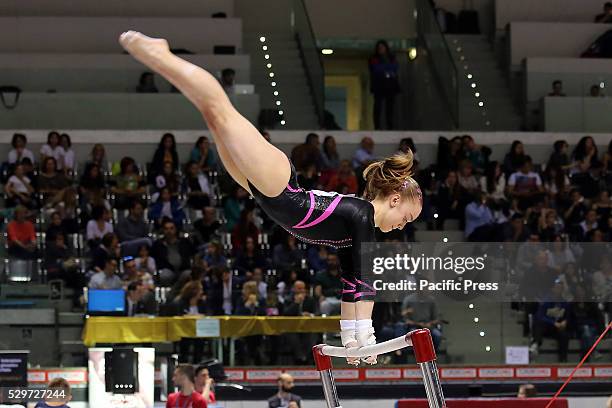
point(551, 320)
point(59, 394)
point(478, 218)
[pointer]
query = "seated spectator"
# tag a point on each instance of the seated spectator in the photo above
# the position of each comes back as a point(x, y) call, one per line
point(287, 255)
point(204, 384)
point(589, 223)
point(328, 286)
point(525, 185)
point(329, 159)
point(450, 154)
point(284, 397)
point(233, 207)
point(59, 261)
point(225, 291)
point(50, 181)
point(364, 155)
point(21, 235)
point(92, 183)
point(602, 280)
point(207, 227)
point(98, 157)
point(316, 256)
point(527, 391)
point(246, 228)
point(108, 249)
point(585, 173)
point(133, 227)
point(344, 180)
point(139, 301)
point(586, 320)
point(196, 186)
point(204, 155)
point(98, 226)
point(262, 286)
point(250, 304)
point(249, 257)
point(165, 152)
point(19, 150)
point(606, 16)
point(167, 179)
point(307, 153)
point(167, 207)
point(559, 157)
point(514, 159)
point(55, 227)
point(300, 304)
point(493, 185)
point(406, 145)
point(467, 180)
point(538, 278)
point(575, 213)
point(132, 274)
point(19, 189)
point(556, 184)
point(308, 177)
point(129, 185)
point(214, 255)
point(107, 278)
point(448, 200)
point(551, 320)
point(146, 83)
point(550, 225)
point(69, 165)
point(603, 206)
point(557, 88)
point(171, 252)
point(228, 76)
point(284, 285)
point(475, 154)
point(145, 263)
point(65, 203)
point(479, 220)
point(53, 149)
point(184, 379)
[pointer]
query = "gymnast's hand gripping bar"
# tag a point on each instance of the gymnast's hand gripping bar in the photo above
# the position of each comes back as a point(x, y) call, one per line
point(424, 353)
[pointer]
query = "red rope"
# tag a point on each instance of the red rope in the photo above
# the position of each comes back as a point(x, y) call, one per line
point(554, 398)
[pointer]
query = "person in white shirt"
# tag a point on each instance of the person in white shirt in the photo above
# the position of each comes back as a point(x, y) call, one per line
point(525, 185)
point(19, 150)
point(99, 225)
point(69, 158)
point(19, 188)
point(107, 278)
point(53, 149)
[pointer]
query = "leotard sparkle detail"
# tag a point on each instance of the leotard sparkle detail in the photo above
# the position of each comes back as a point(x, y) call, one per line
point(330, 219)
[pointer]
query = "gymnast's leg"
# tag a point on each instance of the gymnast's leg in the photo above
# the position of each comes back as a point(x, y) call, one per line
point(244, 152)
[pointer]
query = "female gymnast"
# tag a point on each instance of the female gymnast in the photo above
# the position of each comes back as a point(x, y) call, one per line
point(392, 197)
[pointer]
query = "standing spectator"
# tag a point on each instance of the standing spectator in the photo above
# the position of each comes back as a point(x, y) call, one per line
point(21, 235)
point(207, 227)
point(525, 185)
point(514, 158)
point(551, 320)
point(146, 83)
point(53, 149)
point(69, 165)
point(204, 384)
point(50, 181)
point(344, 181)
point(307, 153)
point(92, 183)
point(98, 226)
point(133, 227)
point(98, 157)
point(204, 155)
point(57, 387)
point(196, 186)
point(19, 150)
point(284, 397)
point(384, 83)
point(106, 278)
point(19, 189)
point(167, 207)
point(129, 184)
point(171, 252)
point(188, 397)
point(557, 88)
point(606, 16)
point(166, 152)
point(328, 286)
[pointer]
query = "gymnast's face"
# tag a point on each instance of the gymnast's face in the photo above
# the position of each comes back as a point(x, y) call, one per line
point(399, 212)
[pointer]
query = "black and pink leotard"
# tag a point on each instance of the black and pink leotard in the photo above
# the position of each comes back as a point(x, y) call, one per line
point(326, 218)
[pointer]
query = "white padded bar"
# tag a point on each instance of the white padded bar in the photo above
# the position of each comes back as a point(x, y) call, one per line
point(375, 349)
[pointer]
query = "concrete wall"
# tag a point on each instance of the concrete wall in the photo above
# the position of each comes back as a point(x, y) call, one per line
point(551, 39)
point(577, 114)
point(362, 19)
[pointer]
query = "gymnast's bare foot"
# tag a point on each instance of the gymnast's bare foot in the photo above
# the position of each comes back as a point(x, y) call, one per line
point(145, 49)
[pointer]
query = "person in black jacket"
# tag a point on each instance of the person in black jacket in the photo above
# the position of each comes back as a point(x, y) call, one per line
point(384, 83)
point(166, 152)
point(171, 252)
point(224, 293)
